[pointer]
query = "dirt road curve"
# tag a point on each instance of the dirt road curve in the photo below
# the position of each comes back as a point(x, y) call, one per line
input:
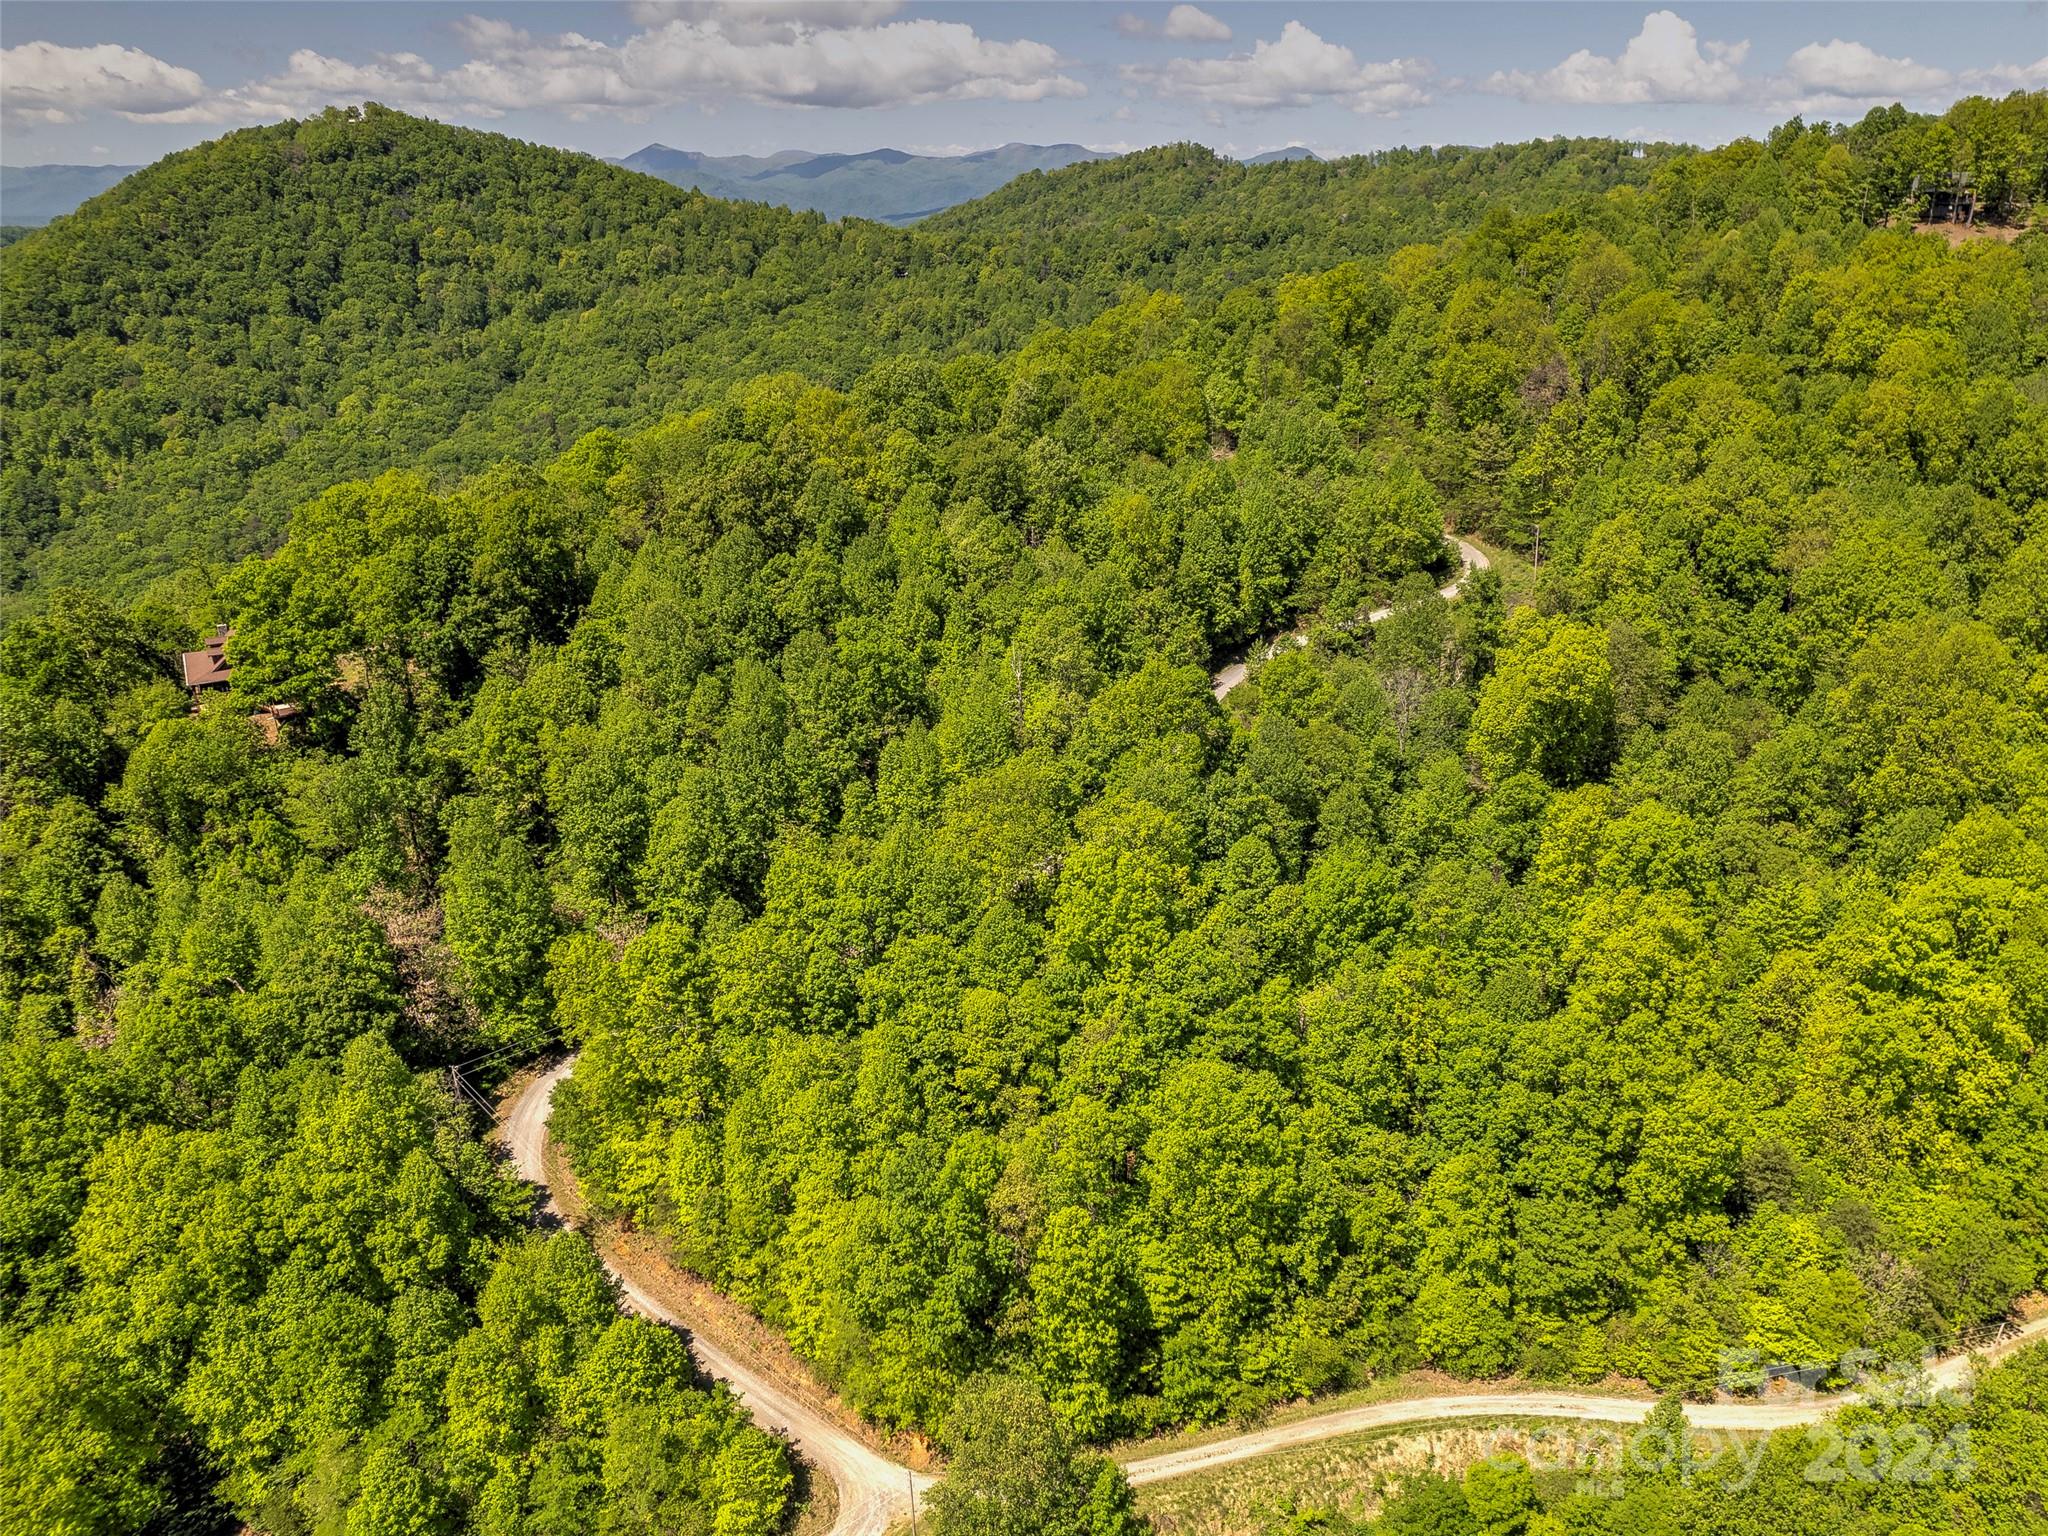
point(874, 1492)
point(1806, 1409)
point(1471, 558)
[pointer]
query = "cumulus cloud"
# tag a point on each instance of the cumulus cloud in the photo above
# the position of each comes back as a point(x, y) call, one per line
point(1856, 71)
point(757, 19)
point(1296, 69)
point(894, 64)
point(1183, 24)
point(2012, 77)
point(1665, 61)
point(866, 53)
point(49, 83)
point(772, 53)
point(1191, 24)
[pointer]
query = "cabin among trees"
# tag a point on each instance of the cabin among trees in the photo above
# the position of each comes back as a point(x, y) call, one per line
point(206, 668)
point(1950, 199)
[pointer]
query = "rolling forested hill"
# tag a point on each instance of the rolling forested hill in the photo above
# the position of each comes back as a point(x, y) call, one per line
point(1638, 966)
point(253, 320)
point(190, 354)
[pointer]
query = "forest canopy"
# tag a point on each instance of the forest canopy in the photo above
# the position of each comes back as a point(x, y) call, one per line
point(191, 354)
point(774, 659)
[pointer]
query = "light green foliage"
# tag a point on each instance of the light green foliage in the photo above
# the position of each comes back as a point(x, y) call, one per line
point(1549, 706)
point(1081, 1298)
point(500, 924)
point(1013, 1472)
point(1969, 1463)
point(832, 758)
point(1462, 1293)
point(76, 1439)
point(563, 1416)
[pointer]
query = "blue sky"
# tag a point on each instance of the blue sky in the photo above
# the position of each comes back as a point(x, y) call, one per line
point(88, 82)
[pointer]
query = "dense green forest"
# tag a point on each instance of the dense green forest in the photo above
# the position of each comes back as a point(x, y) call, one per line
point(192, 352)
point(291, 306)
point(1600, 983)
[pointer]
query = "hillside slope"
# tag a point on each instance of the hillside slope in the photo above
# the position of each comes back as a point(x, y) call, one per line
point(1648, 978)
point(244, 322)
point(1185, 217)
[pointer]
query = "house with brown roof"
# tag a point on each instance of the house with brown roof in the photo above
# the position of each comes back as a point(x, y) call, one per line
point(206, 667)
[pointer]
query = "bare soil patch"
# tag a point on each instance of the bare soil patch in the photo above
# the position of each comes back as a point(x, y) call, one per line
point(1963, 234)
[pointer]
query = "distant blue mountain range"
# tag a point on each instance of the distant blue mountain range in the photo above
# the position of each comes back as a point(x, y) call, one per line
point(892, 185)
point(1291, 152)
point(36, 194)
point(887, 184)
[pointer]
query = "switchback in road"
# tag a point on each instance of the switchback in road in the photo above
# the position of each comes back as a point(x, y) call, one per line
point(1470, 557)
point(875, 1492)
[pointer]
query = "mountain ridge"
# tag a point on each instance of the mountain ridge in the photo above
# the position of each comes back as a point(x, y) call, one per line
point(893, 186)
point(487, 260)
point(35, 194)
point(1280, 156)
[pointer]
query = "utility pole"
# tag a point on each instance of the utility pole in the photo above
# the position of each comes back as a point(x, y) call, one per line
point(910, 1477)
point(1537, 561)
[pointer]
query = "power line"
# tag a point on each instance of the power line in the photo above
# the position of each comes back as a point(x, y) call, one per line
point(510, 1048)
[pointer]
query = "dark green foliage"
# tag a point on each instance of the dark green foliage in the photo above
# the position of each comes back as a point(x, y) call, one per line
point(247, 323)
point(1653, 971)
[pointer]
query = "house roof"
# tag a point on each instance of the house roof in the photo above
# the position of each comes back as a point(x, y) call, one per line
point(208, 665)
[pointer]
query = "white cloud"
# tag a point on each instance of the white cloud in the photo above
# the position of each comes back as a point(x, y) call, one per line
point(865, 53)
point(1295, 70)
point(2010, 77)
point(1665, 61)
point(699, 54)
point(1855, 71)
point(1191, 24)
point(898, 63)
point(1183, 24)
point(765, 18)
point(49, 83)
point(311, 80)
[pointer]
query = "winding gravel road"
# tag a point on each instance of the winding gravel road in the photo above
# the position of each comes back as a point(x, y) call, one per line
point(1952, 1372)
point(1471, 558)
point(874, 1492)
